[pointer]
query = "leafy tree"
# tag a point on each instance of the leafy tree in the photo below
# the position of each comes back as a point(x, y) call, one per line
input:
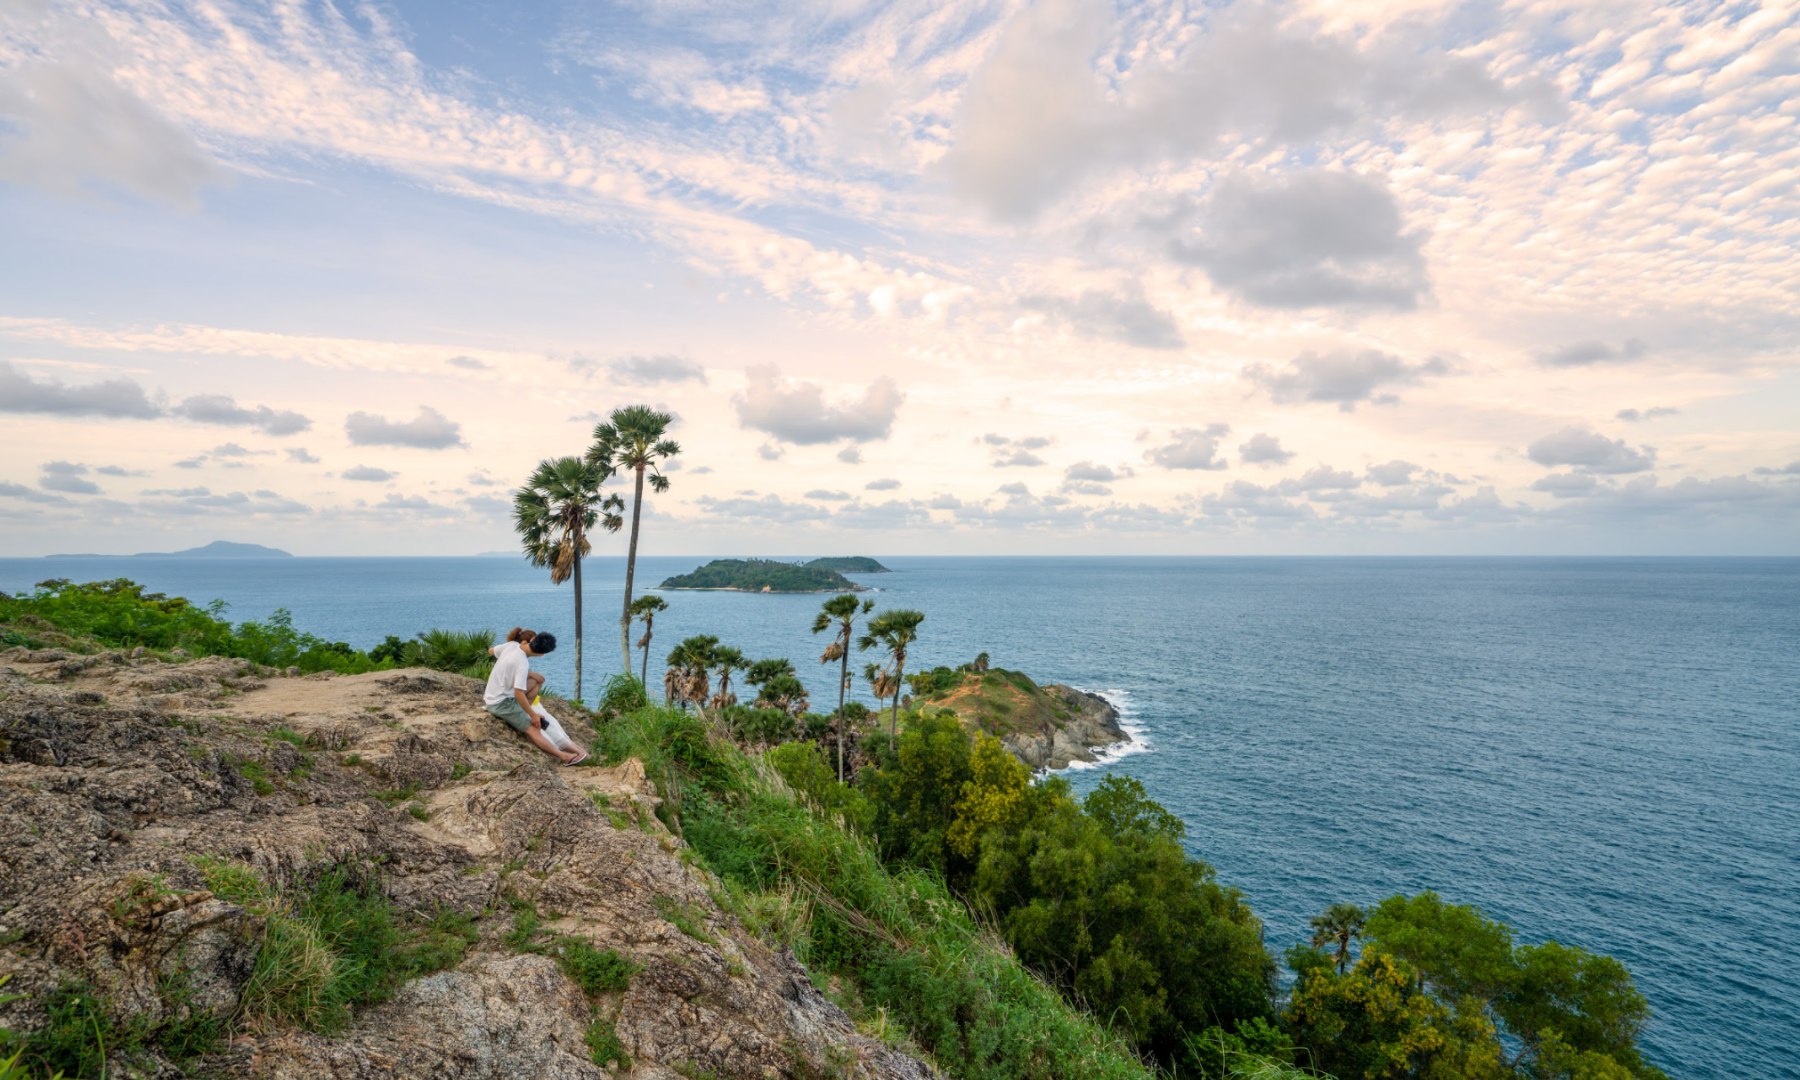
point(1339, 926)
point(1374, 1023)
point(632, 440)
point(1570, 1009)
point(778, 686)
point(893, 632)
point(554, 513)
point(842, 612)
point(645, 609)
point(1567, 1010)
point(993, 797)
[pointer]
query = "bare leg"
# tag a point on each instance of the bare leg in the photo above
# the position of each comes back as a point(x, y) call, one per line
point(536, 734)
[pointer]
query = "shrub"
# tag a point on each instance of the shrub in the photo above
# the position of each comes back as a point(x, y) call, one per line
point(596, 971)
point(623, 694)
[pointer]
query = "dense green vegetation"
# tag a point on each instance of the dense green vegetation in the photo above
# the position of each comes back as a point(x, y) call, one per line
point(848, 564)
point(120, 614)
point(759, 575)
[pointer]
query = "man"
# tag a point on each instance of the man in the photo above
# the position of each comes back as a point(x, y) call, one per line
point(506, 698)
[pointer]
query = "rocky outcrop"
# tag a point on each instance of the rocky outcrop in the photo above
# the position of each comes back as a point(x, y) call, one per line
point(118, 771)
point(1047, 727)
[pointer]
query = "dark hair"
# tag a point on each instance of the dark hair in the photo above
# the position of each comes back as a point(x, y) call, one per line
point(543, 643)
point(521, 634)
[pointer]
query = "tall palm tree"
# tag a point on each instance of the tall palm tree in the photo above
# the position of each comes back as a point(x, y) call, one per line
point(893, 631)
point(842, 610)
point(726, 660)
point(632, 440)
point(1340, 925)
point(644, 608)
point(554, 513)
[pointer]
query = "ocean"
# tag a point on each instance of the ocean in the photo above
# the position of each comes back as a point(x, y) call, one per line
point(1603, 751)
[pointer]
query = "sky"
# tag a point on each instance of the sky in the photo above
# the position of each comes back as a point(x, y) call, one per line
point(1510, 277)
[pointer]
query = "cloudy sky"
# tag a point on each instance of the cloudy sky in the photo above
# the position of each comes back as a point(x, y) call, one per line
point(945, 277)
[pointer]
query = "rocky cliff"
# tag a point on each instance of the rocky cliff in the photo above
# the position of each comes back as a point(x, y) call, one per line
point(1046, 727)
point(178, 837)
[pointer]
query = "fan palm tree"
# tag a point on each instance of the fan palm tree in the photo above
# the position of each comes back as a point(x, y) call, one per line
point(843, 612)
point(632, 441)
point(893, 631)
point(688, 680)
point(1340, 925)
point(726, 660)
point(882, 683)
point(554, 513)
point(778, 686)
point(644, 608)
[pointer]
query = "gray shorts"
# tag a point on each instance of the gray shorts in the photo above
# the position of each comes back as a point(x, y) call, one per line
point(515, 717)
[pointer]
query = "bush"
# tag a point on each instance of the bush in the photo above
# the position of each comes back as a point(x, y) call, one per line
point(623, 694)
point(596, 971)
point(464, 651)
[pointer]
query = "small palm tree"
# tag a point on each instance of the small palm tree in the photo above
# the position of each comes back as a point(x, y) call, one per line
point(778, 686)
point(554, 513)
point(632, 441)
point(688, 680)
point(893, 632)
point(841, 611)
point(882, 682)
point(726, 660)
point(644, 608)
point(1340, 925)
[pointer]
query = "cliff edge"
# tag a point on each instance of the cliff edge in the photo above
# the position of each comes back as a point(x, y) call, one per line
point(196, 851)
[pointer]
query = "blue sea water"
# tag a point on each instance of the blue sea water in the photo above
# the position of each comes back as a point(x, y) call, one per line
point(1601, 751)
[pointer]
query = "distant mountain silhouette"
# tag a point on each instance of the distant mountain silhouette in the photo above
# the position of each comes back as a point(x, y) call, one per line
point(218, 549)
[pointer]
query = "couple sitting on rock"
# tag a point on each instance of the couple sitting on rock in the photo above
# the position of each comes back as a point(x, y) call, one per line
point(512, 694)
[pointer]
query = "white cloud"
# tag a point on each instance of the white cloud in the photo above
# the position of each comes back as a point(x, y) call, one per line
point(1191, 448)
point(1590, 452)
point(797, 412)
point(429, 430)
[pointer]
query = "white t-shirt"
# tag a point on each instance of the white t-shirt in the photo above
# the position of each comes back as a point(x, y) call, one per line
point(511, 667)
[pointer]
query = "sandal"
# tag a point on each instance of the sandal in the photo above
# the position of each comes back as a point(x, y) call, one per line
point(577, 759)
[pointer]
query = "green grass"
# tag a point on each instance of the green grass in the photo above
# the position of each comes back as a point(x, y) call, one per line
point(604, 1046)
point(332, 943)
point(254, 771)
point(685, 918)
point(596, 971)
point(908, 952)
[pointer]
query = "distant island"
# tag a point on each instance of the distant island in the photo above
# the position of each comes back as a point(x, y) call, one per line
point(849, 564)
point(764, 575)
point(218, 549)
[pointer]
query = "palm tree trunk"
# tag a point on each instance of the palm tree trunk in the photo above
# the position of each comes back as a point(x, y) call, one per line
point(843, 684)
point(577, 611)
point(644, 676)
point(637, 509)
point(899, 684)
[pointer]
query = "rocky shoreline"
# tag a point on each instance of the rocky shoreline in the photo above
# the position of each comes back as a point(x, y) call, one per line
point(1093, 726)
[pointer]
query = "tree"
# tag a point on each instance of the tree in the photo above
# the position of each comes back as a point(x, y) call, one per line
point(632, 440)
point(882, 682)
point(893, 631)
point(843, 611)
point(688, 679)
point(1374, 1023)
point(726, 660)
point(554, 513)
point(778, 686)
point(644, 608)
point(1340, 925)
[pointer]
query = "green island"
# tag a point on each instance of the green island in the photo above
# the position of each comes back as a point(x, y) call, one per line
point(954, 911)
point(763, 576)
point(848, 564)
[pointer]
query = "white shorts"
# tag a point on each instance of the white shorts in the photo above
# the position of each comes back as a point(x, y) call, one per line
point(553, 730)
